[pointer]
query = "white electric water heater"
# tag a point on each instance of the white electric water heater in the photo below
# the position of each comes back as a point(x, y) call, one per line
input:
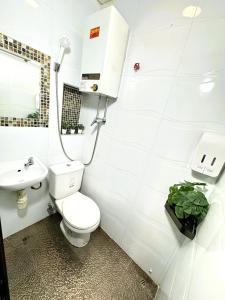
point(104, 49)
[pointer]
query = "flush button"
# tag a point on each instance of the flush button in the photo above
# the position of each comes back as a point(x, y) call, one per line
point(94, 87)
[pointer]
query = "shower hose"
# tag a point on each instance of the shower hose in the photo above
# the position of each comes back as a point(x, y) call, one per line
point(59, 129)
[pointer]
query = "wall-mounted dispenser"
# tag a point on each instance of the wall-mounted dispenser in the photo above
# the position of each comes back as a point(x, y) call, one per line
point(209, 156)
point(104, 49)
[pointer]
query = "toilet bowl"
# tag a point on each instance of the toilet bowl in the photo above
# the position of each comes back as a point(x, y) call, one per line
point(80, 214)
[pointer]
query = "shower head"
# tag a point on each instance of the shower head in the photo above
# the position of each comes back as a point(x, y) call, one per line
point(64, 43)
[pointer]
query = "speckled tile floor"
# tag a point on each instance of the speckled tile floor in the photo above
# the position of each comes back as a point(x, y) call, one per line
point(43, 265)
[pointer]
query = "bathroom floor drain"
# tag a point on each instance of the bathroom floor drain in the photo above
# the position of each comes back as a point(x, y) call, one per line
point(143, 283)
point(25, 239)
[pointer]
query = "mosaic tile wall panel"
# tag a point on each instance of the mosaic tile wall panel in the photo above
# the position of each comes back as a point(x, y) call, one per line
point(71, 106)
point(17, 48)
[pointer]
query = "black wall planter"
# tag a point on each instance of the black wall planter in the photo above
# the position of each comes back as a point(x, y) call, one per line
point(186, 226)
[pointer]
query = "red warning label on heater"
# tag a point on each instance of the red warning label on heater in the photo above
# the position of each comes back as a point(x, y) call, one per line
point(94, 32)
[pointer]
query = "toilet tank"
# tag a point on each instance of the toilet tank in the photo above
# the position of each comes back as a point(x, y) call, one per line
point(65, 179)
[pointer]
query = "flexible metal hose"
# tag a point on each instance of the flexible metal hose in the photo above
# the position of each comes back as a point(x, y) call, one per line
point(95, 144)
point(59, 129)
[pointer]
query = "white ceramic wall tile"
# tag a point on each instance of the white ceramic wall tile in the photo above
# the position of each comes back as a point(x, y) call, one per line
point(209, 233)
point(120, 207)
point(95, 171)
point(159, 14)
point(91, 187)
point(154, 236)
point(211, 9)
point(150, 203)
point(136, 128)
point(143, 93)
point(122, 158)
point(144, 256)
point(187, 103)
point(19, 142)
point(113, 226)
point(129, 186)
point(205, 48)
point(183, 270)
point(129, 14)
point(103, 149)
point(160, 174)
point(149, 49)
point(177, 141)
point(65, 14)
point(207, 267)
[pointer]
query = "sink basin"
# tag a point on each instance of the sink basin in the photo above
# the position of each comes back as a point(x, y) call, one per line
point(14, 176)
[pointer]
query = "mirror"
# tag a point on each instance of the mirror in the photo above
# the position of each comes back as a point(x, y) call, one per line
point(19, 87)
point(24, 84)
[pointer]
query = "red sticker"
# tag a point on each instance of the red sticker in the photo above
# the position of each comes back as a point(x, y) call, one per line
point(94, 32)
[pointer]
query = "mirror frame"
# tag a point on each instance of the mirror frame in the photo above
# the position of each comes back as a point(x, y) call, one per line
point(27, 53)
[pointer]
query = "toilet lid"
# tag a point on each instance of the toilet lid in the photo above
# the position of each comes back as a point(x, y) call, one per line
point(80, 211)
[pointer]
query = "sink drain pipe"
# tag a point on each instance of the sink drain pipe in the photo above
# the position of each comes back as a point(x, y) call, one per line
point(22, 199)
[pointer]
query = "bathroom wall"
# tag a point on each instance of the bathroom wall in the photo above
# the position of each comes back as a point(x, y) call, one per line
point(148, 141)
point(41, 28)
point(197, 269)
point(149, 137)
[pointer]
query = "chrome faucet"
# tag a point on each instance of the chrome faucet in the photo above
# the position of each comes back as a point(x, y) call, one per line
point(29, 163)
point(98, 121)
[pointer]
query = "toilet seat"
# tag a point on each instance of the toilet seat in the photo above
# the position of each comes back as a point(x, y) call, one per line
point(79, 211)
point(81, 231)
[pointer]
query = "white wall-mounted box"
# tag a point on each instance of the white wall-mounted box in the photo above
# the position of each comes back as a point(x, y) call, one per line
point(209, 156)
point(104, 49)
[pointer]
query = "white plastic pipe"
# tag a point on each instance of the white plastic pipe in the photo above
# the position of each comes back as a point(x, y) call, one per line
point(60, 56)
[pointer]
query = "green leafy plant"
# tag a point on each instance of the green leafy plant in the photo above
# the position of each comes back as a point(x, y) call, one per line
point(65, 125)
point(188, 200)
point(34, 115)
point(70, 126)
point(81, 126)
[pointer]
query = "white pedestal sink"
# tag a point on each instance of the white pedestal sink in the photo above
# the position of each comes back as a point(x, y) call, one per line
point(14, 176)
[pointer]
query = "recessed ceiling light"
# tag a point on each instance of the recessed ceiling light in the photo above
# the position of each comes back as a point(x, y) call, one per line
point(207, 85)
point(191, 11)
point(103, 1)
point(33, 3)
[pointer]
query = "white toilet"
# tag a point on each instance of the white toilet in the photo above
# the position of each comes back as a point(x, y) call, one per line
point(81, 214)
